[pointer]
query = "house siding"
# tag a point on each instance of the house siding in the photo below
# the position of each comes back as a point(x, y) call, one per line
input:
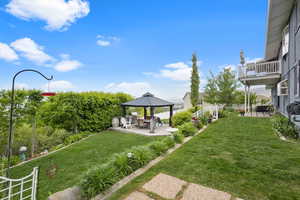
point(289, 63)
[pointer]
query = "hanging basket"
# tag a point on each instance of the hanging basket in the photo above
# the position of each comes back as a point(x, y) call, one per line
point(48, 94)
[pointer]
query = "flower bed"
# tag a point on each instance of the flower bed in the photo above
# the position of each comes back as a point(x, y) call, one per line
point(102, 177)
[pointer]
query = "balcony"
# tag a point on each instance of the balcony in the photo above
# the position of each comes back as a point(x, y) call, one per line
point(262, 73)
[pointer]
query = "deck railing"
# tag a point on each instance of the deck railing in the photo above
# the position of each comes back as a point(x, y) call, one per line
point(259, 69)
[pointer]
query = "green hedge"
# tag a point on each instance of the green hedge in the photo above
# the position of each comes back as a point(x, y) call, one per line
point(86, 111)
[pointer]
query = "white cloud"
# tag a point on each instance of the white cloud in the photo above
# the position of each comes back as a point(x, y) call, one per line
point(67, 65)
point(21, 86)
point(31, 50)
point(7, 53)
point(59, 85)
point(177, 71)
point(228, 66)
point(58, 14)
point(253, 60)
point(134, 88)
point(103, 43)
point(106, 41)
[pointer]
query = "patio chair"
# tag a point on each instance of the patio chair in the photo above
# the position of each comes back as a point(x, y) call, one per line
point(125, 123)
point(159, 122)
point(141, 123)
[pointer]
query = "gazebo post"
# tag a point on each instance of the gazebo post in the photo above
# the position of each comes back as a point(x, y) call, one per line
point(124, 111)
point(145, 112)
point(152, 112)
point(171, 115)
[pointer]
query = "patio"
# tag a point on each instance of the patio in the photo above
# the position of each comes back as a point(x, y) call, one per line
point(149, 125)
point(159, 131)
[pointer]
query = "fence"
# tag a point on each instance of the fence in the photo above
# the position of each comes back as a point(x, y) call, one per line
point(19, 189)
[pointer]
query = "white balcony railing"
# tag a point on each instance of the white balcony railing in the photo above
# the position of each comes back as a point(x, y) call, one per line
point(259, 69)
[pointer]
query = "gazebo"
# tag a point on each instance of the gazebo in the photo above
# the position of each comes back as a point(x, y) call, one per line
point(148, 100)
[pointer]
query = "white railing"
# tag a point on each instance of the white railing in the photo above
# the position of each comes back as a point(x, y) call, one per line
point(259, 69)
point(21, 189)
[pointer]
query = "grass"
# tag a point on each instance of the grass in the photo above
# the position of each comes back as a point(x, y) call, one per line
point(238, 155)
point(72, 162)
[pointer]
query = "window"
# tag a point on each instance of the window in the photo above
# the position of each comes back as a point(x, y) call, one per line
point(282, 88)
point(285, 40)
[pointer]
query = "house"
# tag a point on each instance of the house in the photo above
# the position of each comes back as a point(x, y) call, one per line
point(187, 104)
point(279, 70)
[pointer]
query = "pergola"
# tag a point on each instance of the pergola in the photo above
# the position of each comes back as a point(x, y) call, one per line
point(148, 100)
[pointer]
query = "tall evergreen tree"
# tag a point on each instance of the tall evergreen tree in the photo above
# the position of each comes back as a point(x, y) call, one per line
point(195, 82)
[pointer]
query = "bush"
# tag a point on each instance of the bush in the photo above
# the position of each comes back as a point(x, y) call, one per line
point(169, 141)
point(282, 125)
point(178, 137)
point(188, 129)
point(181, 118)
point(99, 179)
point(73, 138)
point(158, 147)
point(198, 124)
point(140, 156)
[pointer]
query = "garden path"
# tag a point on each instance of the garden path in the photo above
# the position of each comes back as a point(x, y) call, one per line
point(163, 186)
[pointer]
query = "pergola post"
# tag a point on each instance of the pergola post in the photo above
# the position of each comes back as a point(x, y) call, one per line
point(171, 115)
point(145, 112)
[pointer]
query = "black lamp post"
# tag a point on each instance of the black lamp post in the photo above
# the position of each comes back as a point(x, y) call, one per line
point(12, 104)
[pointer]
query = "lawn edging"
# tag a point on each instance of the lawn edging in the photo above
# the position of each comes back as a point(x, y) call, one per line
point(76, 192)
point(142, 170)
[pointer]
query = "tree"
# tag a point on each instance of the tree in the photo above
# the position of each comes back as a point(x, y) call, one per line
point(211, 90)
point(33, 103)
point(227, 85)
point(195, 82)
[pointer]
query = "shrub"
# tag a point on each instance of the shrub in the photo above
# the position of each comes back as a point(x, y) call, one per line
point(169, 141)
point(283, 126)
point(73, 138)
point(223, 113)
point(198, 124)
point(158, 147)
point(188, 129)
point(121, 163)
point(181, 118)
point(178, 137)
point(99, 179)
point(140, 156)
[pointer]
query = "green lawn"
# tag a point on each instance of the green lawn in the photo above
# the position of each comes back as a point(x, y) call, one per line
point(241, 156)
point(74, 161)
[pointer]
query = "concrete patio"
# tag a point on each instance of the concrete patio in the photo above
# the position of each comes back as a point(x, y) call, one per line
point(159, 131)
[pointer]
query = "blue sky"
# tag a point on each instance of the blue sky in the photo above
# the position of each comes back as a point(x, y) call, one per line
point(132, 46)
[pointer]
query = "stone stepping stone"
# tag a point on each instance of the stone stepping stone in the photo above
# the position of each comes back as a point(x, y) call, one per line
point(138, 196)
point(198, 192)
point(165, 186)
